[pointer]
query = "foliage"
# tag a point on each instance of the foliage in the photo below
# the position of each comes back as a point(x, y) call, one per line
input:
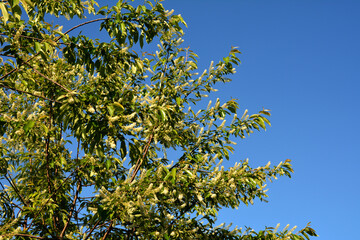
point(120, 109)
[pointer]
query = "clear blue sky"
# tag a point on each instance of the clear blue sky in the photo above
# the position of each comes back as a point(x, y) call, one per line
point(301, 59)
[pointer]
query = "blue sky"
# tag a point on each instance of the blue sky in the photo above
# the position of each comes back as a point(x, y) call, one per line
point(301, 60)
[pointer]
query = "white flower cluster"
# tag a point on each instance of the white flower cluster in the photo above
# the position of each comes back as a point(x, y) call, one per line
point(110, 142)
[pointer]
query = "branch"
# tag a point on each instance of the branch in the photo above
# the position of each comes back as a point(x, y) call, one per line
point(47, 160)
point(140, 160)
point(51, 197)
point(81, 24)
point(56, 40)
point(15, 188)
point(12, 71)
point(12, 56)
point(7, 197)
point(75, 198)
point(91, 230)
point(108, 231)
point(17, 69)
point(95, 226)
point(56, 83)
point(72, 209)
point(182, 158)
point(34, 95)
point(34, 38)
point(25, 235)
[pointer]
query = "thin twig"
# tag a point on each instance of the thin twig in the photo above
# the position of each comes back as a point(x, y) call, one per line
point(81, 24)
point(24, 235)
point(48, 78)
point(72, 209)
point(8, 73)
point(92, 229)
point(47, 163)
point(51, 197)
point(146, 149)
point(140, 160)
point(5, 192)
point(34, 38)
point(15, 188)
point(108, 231)
point(4, 55)
point(34, 95)
point(182, 158)
point(8, 198)
point(75, 198)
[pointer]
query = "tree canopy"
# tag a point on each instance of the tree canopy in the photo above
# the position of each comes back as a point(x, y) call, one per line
point(108, 139)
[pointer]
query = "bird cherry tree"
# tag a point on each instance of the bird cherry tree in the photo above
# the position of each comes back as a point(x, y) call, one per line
point(108, 139)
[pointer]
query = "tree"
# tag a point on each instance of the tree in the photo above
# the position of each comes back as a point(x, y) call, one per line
point(120, 106)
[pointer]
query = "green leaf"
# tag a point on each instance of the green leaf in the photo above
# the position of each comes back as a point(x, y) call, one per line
point(26, 4)
point(193, 64)
point(101, 10)
point(141, 40)
point(37, 46)
point(62, 161)
point(119, 106)
point(14, 3)
point(111, 110)
point(261, 122)
point(181, 19)
point(167, 176)
point(2, 129)
point(266, 120)
point(123, 28)
point(232, 109)
point(173, 174)
point(234, 50)
point(45, 128)
point(179, 101)
point(123, 149)
point(30, 124)
point(163, 116)
point(5, 14)
point(17, 12)
point(108, 163)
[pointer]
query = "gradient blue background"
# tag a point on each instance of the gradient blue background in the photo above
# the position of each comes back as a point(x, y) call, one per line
point(301, 60)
